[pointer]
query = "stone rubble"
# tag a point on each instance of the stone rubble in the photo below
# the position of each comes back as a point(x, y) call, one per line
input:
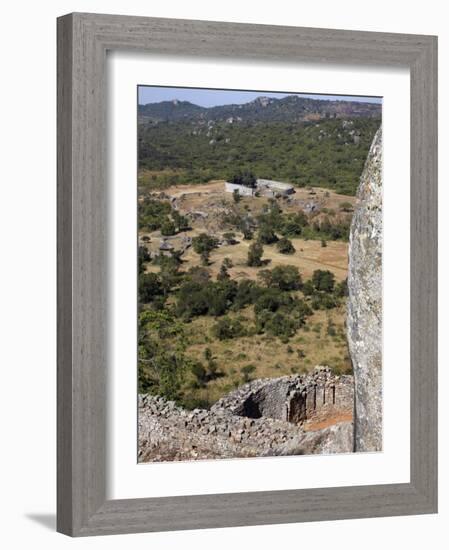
point(228, 429)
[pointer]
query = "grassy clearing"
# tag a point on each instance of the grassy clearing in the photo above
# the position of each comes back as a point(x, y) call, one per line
point(311, 346)
point(309, 256)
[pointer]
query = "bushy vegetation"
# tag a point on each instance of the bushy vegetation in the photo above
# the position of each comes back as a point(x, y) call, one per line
point(155, 214)
point(203, 245)
point(255, 252)
point(283, 277)
point(280, 302)
point(322, 153)
point(246, 178)
point(227, 328)
point(275, 227)
point(285, 246)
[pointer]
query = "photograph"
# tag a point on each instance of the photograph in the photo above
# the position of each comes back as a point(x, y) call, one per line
point(259, 254)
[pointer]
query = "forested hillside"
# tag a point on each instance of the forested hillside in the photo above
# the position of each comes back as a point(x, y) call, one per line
point(317, 143)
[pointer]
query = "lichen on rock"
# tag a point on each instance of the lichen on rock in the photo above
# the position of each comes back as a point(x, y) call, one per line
point(364, 321)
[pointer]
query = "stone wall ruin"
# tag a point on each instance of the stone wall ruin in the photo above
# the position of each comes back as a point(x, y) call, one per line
point(267, 417)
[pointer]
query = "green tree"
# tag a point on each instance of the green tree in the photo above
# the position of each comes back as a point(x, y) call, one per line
point(203, 245)
point(144, 257)
point(245, 178)
point(341, 289)
point(223, 273)
point(307, 288)
point(247, 233)
point(292, 225)
point(227, 329)
point(286, 277)
point(171, 370)
point(255, 253)
point(247, 293)
point(229, 237)
point(169, 272)
point(168, 227)
point(227, 262)
point(236, 196)
point(266, 234)
point(285, 246)
point(150, 286)
point(200, 374)
point(323, 280)
point(197, 274)
point(180, 221)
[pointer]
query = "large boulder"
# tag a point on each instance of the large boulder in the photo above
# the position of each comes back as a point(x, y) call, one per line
point(337, 438)
point(364, 322)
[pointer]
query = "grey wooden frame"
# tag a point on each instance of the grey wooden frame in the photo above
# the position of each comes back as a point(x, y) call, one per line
point(83, 40)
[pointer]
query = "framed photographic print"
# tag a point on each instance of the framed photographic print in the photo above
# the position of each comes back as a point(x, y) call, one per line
point(246, 274)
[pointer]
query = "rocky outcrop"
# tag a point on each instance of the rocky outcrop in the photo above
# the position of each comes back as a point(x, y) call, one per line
point(337, 438)
point(364, 320)
point(268, 417)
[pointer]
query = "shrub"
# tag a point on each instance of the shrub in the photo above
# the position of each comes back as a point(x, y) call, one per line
point(164, 376)
point(223, 273)
point(346, 207)
point(143, 257)
point(168, 228)
point(227, 262)
point(266, 235)
point(245, 178)
point(247, 293)
point(213, 298)
point(150, 286)
point(227, 329)
point(200, 374)
point(197, 274)
point(308, 288)
point(324, 301)
point(247, 371)
point(292, 225)
point(283, 277)
point(285, 246)
point(153, 213)
point(248, 233)
point(181, 222)
point(192, 300)
point(203, 245)
point(229, 237)
point(271, 300)
point(279, 324)
point(341, 289)
point(323, 280)
point(255, 253)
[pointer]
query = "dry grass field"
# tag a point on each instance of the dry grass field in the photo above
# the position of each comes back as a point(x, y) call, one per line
point(311, 346)
point(212, 200)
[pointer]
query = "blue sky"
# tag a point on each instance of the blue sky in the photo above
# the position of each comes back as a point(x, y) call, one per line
point(209, 98)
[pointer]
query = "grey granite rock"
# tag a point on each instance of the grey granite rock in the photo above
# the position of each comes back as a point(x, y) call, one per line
point(364, 322)
point(337, 438)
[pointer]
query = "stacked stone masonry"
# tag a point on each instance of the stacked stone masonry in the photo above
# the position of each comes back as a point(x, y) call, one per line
point(267, 417)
